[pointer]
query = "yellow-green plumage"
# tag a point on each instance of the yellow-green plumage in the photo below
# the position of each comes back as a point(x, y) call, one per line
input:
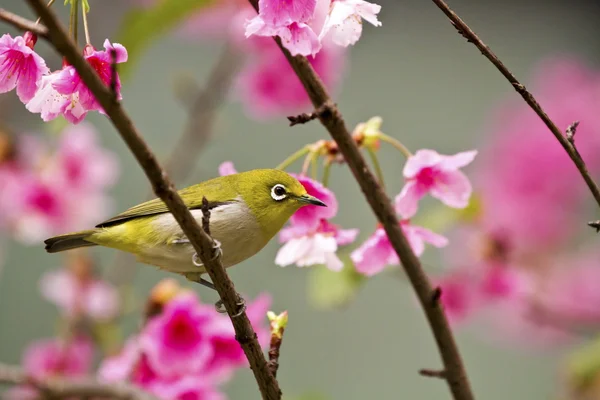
point(246, 213)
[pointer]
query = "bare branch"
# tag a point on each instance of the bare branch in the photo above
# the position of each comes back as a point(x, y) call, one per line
point(62, 388)
point(433, 373)
point(22, 23)
point(198, 131)
point(164, 189)
point(569, 147)
point(332, 120)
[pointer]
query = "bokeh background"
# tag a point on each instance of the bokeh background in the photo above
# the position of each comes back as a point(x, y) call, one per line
point(432, 89)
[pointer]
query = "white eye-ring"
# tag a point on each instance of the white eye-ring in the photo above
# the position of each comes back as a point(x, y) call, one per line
point(278, 192)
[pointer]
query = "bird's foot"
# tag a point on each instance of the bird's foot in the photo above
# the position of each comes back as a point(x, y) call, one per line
point(217, 253)
point(220, 307)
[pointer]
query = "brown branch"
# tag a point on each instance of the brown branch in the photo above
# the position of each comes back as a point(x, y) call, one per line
point(332, 120)
point(22, 23)
point(196, 134)
point(56, 388)
point(164, 189)
point(467, 33)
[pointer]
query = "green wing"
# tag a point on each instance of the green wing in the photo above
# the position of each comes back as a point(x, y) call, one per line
point(191, 196)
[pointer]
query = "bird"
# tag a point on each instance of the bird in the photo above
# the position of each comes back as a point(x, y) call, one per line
point(247, 209)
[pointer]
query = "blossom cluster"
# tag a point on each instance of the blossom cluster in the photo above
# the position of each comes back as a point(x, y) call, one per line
point(311, 239)
point(46, 191)
point(185, 350)
point(60, 92)
point(513, 263)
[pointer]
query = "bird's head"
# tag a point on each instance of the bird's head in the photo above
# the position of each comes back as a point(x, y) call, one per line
point(273, 196)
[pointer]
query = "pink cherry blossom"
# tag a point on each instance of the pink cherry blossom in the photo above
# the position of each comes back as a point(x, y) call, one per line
point(309, 217)
point(91, 297)
point(49, 103)
point(51, 358)
point(68, 81)
point(20, 66)
point(377, 252)
point(81, 163)
point(131, 364)
point(177, 341)
point(227, 168)
point(344, 21)
point(268, 86)
point(288, 20)
point(429, 172)
point(305, 246)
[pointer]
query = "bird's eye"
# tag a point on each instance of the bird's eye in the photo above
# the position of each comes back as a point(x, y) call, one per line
point(278, 192)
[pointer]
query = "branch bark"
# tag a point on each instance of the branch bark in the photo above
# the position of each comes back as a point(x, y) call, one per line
point(164, 189)
point(22, 23)
point(81, 388)
point(332, 120)
point(468, 34)
point(197, 132)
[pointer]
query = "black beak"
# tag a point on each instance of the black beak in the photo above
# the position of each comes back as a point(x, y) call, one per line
point(308, 199)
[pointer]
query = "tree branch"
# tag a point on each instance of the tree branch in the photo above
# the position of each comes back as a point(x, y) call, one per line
point(332, 120)
point(62, 389)
point(197, 132)
point(22, 23)
point(467, 33)
point(164, 189)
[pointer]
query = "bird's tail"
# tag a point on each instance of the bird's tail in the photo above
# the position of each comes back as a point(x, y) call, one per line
point(69, 241)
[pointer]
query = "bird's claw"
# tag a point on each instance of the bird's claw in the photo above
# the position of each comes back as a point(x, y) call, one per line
point(220, 307)
point(217, 253)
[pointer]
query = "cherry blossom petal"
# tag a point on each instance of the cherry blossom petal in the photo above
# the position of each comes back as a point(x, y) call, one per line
point(453, 189)
point(407, 201)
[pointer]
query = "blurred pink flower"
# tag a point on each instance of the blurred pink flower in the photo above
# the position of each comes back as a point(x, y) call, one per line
point(344, 20)
point(186, 388)
point(459, 296)
point(131, 364)
point(91, 297)
point(68, 81)
point(227, 168)
point(20, 66)
point(534, 196)
point(177, 341)
point(305, 246)
point(81, 163)
point(377, 252)
point(309, 217)
point(288, 20)
point(45, 193)
point(268, 86)
point(51, 358)
point(429, 172)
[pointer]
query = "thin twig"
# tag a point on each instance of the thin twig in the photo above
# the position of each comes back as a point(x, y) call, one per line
point(332, 120)
point(62, 388)
point(278, 325)
point(22, 23)
point(198, 131)
point(433, 373)
point(467, 33)
point(302, 118)
point(595, 225)
point(113, 74)
point(164, 189)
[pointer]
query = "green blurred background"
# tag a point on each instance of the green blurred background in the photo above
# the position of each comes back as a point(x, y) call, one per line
point(432, 90)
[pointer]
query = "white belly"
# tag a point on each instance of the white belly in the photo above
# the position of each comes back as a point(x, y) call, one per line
point(232, 225)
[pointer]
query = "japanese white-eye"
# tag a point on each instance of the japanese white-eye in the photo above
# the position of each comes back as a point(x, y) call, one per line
point(246, 210)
